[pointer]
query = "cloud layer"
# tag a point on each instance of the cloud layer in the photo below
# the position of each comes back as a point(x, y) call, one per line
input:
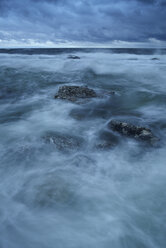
point(93, 21)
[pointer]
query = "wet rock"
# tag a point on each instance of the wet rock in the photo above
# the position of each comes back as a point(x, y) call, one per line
point(72, 93)
point(63, 141)
point(155, 58)
point(73, 57)
point(130, 130)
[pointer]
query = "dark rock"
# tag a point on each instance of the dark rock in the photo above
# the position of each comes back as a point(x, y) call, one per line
point(73, 57)
point(72, 93)
point(155, 59)
point(63, 141)
point(130, 130)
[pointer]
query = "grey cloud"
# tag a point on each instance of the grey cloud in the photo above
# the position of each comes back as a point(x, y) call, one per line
point(83, 20)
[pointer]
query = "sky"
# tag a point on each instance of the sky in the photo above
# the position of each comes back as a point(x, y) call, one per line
point(82, 23)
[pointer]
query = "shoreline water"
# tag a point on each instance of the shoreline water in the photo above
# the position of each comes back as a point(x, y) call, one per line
point(60, 185)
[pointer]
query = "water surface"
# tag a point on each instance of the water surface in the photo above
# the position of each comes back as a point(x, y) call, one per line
point(78, 192)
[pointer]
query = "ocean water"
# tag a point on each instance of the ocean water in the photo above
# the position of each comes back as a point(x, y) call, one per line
point(66, 179)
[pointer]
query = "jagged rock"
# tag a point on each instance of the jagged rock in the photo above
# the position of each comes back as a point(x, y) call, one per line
point(72, 93)
point(130, 130)
point(73, 57)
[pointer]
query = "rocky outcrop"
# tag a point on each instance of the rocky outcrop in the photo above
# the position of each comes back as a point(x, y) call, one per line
point(73, 57)
point(130, 130)
point(72, 93)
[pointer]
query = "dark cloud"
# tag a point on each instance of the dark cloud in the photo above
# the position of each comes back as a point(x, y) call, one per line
point(147, 1)
point(83, 20)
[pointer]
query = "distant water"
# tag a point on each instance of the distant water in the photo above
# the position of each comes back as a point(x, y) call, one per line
point(93, 188)
point(55, 51)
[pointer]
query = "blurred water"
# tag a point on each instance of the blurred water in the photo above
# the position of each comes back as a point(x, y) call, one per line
point(78, 193)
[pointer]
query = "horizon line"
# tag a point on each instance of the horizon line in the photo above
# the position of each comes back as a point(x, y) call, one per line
point(82, 47)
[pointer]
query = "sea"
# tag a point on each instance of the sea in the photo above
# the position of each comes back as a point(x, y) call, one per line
point(66, 179)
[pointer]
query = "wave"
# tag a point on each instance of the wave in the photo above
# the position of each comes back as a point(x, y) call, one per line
point(66, 179)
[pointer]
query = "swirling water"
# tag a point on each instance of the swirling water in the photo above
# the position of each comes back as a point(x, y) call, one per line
point(78, 193)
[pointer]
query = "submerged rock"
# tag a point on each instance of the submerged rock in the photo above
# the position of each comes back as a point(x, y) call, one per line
point(73, 57)
point(72, 93)
point(130, 130)
point(63, 141)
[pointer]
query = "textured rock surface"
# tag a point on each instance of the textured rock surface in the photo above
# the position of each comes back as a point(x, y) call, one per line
point(130, 130)
point(63, 141)
point(73, 93)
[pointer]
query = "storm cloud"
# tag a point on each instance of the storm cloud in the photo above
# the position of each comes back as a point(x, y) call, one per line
point(82, 20)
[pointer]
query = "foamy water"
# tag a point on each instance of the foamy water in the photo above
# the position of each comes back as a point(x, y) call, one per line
point(79, 195)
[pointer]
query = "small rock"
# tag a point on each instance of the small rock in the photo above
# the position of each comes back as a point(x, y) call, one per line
point(130, 130)
point(72, 93)
point(73, 57)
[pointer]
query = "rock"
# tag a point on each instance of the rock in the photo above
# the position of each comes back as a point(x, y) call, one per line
point(130, 130)
point(63, 141)
point(73, 57)
point(72, 93)
point(155, 59)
